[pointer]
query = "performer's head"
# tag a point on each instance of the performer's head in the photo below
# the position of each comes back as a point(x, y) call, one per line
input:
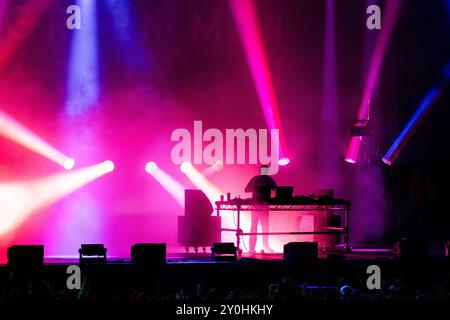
point(264, 170)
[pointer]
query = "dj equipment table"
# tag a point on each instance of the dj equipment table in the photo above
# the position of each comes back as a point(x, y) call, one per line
point(303, 204)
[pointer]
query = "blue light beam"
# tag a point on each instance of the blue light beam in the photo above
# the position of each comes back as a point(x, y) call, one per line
point(83, 76)
point(411, 125)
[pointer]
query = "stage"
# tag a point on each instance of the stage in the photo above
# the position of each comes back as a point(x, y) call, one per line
point(131, 130)
point(253, 277)
point(180, 256)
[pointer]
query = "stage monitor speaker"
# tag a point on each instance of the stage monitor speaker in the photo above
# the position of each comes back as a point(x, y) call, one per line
point(92, 253)
point(301, 251)
point(26, 256)
point(224, 251)
point(148, 253)
point(223, 248)
point(410, 248)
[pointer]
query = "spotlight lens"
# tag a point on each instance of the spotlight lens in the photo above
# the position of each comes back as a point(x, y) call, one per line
point(387, 161)
point(284, 161)
point(109, 165)
point(217, 166)
point(151, 167)
point(185, 166)
point(350, 160)
point(69, 163)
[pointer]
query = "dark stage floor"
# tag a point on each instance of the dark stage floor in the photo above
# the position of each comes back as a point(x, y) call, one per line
point(252, 277)
point(173, 257)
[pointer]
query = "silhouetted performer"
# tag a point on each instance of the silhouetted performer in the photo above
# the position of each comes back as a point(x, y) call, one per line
point(260, 186)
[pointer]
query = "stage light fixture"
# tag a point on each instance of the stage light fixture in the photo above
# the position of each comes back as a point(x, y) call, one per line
point(217, 166)
point(390, 17)
point(151, 167)
point(92, 253)
point(223, 251)
point(358, 130)
point(284, 161)
point(108, 165)
point(350, 160)
point(387, 161)
point(69, 163)
point(185, 166)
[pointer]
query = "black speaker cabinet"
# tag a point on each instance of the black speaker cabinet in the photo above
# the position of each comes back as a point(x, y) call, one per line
point(26, 257)
point(198, 233)
point(301, 251)
point(148, 253)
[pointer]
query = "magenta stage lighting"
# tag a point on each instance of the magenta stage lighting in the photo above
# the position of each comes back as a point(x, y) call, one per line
point(31, 12)
point(329, 113)
point(172, 186)
point(20, 199)
point(201, 182)
point(390, 15)
point(151, 167)
point(358, 131)
point(16, 132)
point(249, 29)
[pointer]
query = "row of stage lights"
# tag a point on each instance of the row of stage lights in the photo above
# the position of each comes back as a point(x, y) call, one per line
point(69, 164)
point(15, 131)
point(151, 166)
point(20, 199)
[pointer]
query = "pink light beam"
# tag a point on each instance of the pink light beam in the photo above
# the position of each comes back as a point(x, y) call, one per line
point(389, 18)
point(245, 17)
